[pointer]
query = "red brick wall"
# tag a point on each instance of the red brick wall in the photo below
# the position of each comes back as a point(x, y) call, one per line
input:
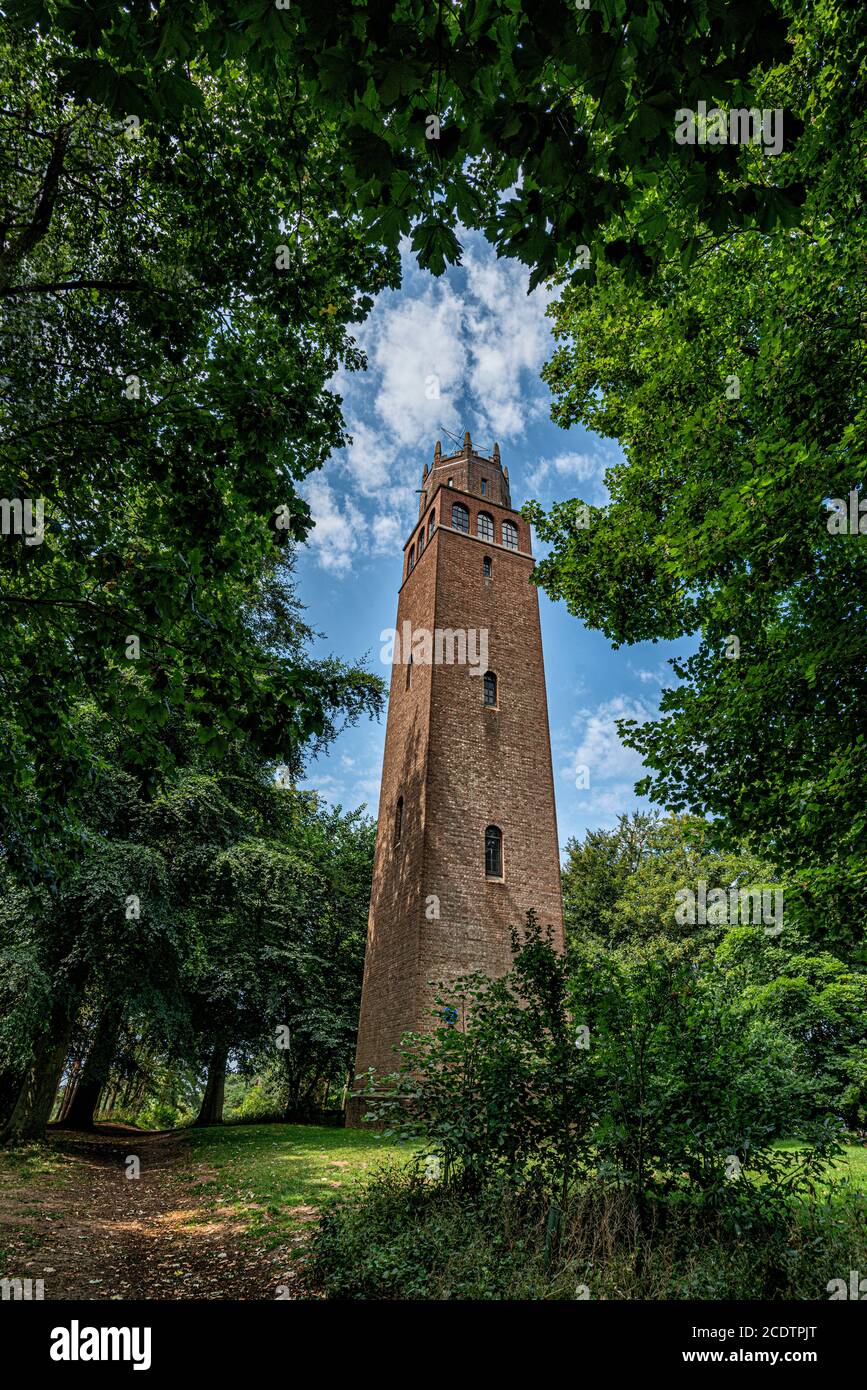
point(460, 767)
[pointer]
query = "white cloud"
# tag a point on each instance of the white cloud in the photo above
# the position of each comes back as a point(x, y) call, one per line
point(337, 528)
point(576, 468)
point(464, 351)
point(660, 675)
point(387, 532)
point(612, 767)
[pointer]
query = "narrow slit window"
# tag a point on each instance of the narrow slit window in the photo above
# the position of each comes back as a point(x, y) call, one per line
point(487, 567)
point(409, 674)
point(398, 820)
point(490, 686)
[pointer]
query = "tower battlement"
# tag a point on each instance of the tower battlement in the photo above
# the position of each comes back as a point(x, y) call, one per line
point(469, 471)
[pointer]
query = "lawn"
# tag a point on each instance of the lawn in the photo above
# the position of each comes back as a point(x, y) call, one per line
point(276, 1178)
point(851, 1167)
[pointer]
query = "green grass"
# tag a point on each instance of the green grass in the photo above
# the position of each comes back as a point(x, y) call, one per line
point(29, 1162)
point(277, 1178)
point(851, 1166)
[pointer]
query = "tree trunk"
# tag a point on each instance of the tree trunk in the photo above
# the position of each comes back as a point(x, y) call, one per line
point(110, 1099)
point(96, 1069)
point(36, 1097)
point(69, 1092)
point(211, 1110)
point(11, 1081)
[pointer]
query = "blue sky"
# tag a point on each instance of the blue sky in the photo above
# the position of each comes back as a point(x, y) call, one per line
point(464, 352)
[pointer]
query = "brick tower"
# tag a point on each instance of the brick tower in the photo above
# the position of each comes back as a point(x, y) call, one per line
point(467, 834)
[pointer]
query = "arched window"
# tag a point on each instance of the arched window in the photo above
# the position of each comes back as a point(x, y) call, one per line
point(490, 685)
point(409, 674)
point(420, 542)
point(398, 820)
point(510, 535)
point(493, 852)
point(460, 517)
point(487, 567)
point(431, 524)
point(410, 560)
point(485, 527)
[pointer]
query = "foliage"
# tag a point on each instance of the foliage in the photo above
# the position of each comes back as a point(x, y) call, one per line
point(816, 1000)
point(621, 885)
point(571, 114)
point(165, 393)
point(631, 1066)
point(207, 910)
point(735, 383)
point(399, 1236)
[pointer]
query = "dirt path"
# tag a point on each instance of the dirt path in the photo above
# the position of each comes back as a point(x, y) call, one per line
point(91, 1232)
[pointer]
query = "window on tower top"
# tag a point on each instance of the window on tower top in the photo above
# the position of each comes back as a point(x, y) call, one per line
point(510, 535)
point(485, 527)
point(484, 488)
point(490, 684)
point(460, 517)
point(487, 567)
point(493, 852)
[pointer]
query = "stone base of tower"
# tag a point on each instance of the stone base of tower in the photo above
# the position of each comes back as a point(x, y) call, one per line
point(356, 1109)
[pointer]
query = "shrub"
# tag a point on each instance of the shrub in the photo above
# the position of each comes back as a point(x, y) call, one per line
point(630, 1066)
point(399, 1236)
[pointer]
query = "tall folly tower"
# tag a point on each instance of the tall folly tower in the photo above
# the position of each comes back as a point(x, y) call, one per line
point(467, 834)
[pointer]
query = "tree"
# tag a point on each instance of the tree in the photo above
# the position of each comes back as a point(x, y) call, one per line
point(527, 120)
point(135, 925)
point(595, 873)
point(815, 999)
point(735, 381)
point(171, 317)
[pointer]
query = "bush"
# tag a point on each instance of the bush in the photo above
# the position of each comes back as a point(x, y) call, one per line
point(630, 1067)
point(401, 1237)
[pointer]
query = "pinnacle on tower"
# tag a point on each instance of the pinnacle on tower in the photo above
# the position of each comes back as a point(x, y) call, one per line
point(468, 443)
point(424, 474)
point(496, 454)
point(438, 451)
